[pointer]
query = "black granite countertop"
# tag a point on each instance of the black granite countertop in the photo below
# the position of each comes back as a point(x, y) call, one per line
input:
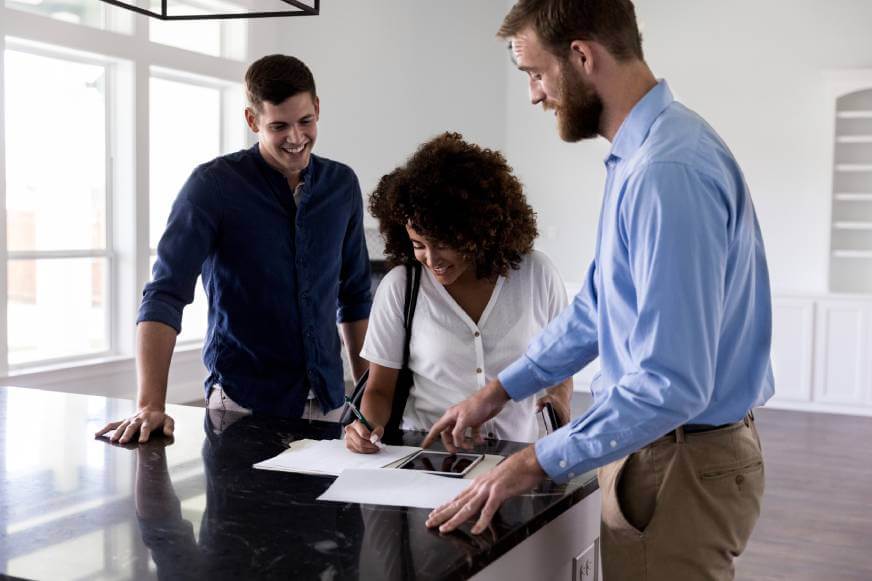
point(192, 507)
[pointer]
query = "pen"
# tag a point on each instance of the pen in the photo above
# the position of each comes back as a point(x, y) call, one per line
point(359, 415)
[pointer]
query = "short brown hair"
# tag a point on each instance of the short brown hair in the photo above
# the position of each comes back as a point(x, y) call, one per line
point(461, 195)
point(557, 23)
point(276, 77)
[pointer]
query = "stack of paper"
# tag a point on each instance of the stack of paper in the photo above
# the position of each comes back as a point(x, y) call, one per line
point(331, 457)
point(394, 488)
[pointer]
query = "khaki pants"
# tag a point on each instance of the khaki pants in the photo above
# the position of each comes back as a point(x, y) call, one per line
point(683, 507)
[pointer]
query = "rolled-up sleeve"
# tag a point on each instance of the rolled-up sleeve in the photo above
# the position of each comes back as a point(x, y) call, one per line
point(187, 241)
point(355, 296)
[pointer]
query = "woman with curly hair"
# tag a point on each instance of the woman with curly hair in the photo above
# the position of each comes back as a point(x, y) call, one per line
point(484, 294)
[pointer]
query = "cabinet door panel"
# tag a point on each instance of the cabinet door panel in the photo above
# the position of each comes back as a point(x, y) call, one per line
point(843, 353)
point(792, 343)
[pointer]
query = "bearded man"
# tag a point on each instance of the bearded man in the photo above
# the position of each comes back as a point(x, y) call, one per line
point(676, 305)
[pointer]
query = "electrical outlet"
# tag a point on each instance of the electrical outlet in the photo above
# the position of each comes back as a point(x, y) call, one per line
point(584, 566)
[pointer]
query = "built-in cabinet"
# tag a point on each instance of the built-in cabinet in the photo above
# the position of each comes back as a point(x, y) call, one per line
point(822, 345)
point(851, 208)
point(822, 353)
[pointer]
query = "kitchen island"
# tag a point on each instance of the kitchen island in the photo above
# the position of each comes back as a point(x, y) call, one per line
point(192, 507)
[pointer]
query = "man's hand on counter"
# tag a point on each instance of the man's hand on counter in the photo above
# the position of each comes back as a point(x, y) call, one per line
point(518, 474)
point(144, 422)
point(470, 414)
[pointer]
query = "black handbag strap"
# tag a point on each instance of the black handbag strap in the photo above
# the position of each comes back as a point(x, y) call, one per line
point(404, 377)
point(404, 383)
point(413, 283)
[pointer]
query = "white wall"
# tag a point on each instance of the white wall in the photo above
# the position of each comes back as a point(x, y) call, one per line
point(392, 73)
point(754, 69)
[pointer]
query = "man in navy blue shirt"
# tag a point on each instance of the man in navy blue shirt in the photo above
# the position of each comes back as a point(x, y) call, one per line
point(276, 233)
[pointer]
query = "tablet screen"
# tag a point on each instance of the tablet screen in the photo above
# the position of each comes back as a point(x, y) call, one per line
point(442, 462)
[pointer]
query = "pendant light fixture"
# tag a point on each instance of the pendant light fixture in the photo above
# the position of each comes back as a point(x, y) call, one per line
point(172, 10)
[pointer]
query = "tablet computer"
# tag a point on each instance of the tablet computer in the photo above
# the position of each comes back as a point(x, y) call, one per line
point(443, 463)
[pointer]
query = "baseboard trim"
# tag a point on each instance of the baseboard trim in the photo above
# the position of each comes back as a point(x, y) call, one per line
point(822, 408)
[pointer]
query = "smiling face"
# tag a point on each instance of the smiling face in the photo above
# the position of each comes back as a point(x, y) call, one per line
point(286, 132)
point(446, 264)
point(559, 87)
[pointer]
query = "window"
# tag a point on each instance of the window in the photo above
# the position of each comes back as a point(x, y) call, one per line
point(56, 226)
point(187, 108)
point(87, 12)
point(225, 38)
point(90, 170)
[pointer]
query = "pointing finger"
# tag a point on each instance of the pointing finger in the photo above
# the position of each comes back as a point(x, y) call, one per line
point(440, 426)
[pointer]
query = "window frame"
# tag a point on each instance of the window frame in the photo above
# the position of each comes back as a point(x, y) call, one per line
point(107, 252)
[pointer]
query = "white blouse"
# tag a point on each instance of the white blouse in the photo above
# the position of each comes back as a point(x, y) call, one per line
point(451, 356)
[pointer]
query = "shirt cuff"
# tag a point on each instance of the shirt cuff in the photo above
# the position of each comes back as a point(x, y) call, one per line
point(160, 312)
point(522, 379)
point(351, 313)
point(551, 452)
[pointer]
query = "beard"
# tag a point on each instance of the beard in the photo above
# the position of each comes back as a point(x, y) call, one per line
point(581, 109)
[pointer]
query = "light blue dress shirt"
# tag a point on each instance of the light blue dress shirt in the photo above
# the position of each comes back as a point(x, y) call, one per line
point(676, 303)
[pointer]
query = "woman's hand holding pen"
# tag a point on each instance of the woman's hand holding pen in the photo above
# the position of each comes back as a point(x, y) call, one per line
point(363, 436)
point(362, 440)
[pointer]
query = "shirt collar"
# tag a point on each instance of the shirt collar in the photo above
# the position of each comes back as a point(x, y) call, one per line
point(636, 126)
point(277, 176)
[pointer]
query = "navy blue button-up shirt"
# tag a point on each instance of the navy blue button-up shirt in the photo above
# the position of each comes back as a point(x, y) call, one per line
point(278, 277)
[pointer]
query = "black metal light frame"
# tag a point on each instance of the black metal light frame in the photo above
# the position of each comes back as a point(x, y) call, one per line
point(303, 10)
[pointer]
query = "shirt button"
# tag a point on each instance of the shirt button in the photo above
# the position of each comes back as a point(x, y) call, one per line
point(563, 463)
point(478, 370)
point(613, 444)
point(476, 334)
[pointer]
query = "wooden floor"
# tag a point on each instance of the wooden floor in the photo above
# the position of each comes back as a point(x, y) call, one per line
point(816, 522)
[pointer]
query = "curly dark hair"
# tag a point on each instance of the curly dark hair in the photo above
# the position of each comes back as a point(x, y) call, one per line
point(461, 195)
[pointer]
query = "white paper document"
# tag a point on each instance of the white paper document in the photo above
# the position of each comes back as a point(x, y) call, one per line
point(331, 457)
point(394, 487)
